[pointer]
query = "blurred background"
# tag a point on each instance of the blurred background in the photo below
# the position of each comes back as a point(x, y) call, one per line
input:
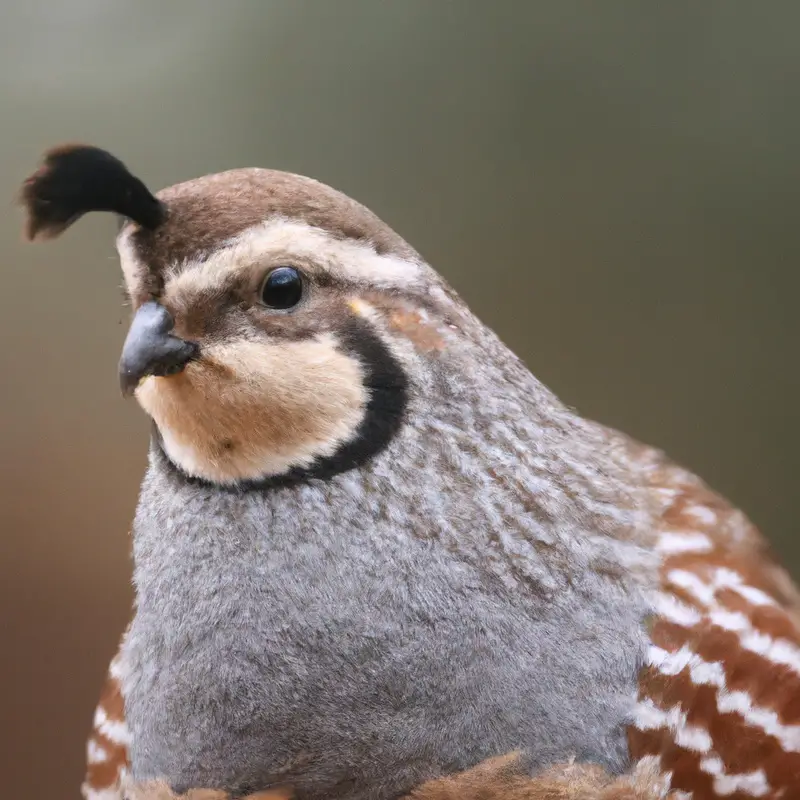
point(613, 187)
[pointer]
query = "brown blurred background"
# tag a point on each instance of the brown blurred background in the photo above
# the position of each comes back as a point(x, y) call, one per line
point(612, 186)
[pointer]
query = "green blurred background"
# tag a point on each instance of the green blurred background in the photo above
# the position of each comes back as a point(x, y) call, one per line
point(612, 186)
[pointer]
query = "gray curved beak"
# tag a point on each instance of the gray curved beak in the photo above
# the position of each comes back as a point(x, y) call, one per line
point(151, 349)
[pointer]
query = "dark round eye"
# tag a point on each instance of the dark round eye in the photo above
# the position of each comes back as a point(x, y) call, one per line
point(282, 288)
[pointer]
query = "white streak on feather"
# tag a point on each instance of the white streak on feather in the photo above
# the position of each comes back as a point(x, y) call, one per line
point(116, 732)
point(753, 783)
point(674, 542)
point(115, 670)
point(650, 717)
point(722, 578)
point(702, 514)
point(698, 740)
point(670, 608)
point(691, 583)
point(778, 651)
point(107, 793)
point(712, 673)
point(95, 753)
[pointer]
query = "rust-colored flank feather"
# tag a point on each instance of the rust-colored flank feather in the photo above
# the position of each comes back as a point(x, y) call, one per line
point(719, 698)
point(107, 749)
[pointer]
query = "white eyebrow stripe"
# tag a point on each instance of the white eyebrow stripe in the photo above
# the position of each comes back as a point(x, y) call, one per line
point(286, 240)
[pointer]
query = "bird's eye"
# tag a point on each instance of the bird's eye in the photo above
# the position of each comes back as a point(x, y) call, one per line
point(282, 288)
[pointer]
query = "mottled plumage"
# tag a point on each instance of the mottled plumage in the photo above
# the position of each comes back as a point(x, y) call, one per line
point(371, 549)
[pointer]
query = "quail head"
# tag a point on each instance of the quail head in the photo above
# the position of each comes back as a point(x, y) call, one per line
point(371, 549)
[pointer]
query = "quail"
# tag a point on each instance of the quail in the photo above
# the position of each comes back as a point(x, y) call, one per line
point(372, 550)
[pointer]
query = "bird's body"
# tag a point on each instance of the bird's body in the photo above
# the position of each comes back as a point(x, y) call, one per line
point(331, 620)
point(371, 548)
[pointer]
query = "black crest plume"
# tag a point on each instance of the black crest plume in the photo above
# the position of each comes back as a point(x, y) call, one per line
point(75, 179)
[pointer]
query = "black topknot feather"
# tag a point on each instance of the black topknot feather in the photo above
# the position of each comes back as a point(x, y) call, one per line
point(75, 179)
